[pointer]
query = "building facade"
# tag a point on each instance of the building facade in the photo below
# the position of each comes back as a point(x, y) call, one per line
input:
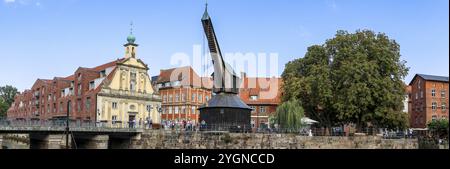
point(429, 99)
point(182, 92)
point(263, 95)
point(115, 93)
point(407, 100)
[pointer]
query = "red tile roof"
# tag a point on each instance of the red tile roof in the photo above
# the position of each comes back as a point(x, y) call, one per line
point(186, 75)
point(268, 90)
point(107, 65)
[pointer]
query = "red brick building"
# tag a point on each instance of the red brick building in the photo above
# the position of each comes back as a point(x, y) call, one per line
point(182, 92)
point(48, 99)
point(114, 93)
point(263, 95)
point(429, 99)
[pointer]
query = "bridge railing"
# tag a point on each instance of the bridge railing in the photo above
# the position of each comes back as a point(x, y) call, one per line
point(72, 124)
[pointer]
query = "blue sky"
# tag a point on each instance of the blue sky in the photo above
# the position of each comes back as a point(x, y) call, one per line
point(48, 38)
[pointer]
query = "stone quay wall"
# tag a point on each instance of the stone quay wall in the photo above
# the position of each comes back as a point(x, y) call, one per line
point(163, 139)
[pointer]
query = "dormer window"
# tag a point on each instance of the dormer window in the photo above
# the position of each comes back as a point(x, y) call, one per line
point(91, 85)
point(253, 97)
point(103, 73)
point(176, 83)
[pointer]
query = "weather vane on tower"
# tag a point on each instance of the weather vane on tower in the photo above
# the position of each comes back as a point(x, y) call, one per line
point(131, 27)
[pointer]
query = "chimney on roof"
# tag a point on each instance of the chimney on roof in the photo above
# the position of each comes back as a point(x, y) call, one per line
point(243, 75)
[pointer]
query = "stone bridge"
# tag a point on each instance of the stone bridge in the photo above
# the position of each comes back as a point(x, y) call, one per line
point(54, 137)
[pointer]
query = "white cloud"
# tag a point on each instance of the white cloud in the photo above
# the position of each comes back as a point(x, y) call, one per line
point(332, 4)
point(36, 3)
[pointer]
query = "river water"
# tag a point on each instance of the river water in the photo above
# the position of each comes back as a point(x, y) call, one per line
point(14, 144)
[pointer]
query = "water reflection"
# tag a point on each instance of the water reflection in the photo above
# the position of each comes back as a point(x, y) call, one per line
point(9, 143)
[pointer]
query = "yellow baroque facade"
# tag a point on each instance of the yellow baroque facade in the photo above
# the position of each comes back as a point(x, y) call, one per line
point(127, 98)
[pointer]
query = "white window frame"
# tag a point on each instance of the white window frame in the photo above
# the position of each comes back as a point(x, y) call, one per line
point(91, 85)
point(113, 119)
point(434, 117)
point(433, 105)
point(193, 97)
point(253, 97)
point(114, 105)
point(253, 108)
point(262, 109)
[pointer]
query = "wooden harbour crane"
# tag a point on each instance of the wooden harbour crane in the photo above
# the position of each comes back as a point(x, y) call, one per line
point(225, 110)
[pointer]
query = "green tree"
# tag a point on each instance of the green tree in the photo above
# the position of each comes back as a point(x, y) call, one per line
point(352, 78)
point(308, 79)
point(3, 108)
point(439, 128)
point(289, 115)
point(7, 94)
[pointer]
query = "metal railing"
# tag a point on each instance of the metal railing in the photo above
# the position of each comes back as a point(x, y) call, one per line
point(72, 124)
point(180, 126)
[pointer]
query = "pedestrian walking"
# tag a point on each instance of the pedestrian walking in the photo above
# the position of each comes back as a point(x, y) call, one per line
point(203, 124)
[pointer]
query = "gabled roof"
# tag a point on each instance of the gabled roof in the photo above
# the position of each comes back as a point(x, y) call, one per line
point(71, 78)
point(182, 72)
point(430, 78)
point(123, 60)
point(65, 81)
point(262, 87)
point(105, 81)
point(186, 75)
point(107, 65)
point(41, 82)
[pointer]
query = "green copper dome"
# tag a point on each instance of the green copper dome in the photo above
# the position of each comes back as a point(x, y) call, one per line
point(131, 38)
